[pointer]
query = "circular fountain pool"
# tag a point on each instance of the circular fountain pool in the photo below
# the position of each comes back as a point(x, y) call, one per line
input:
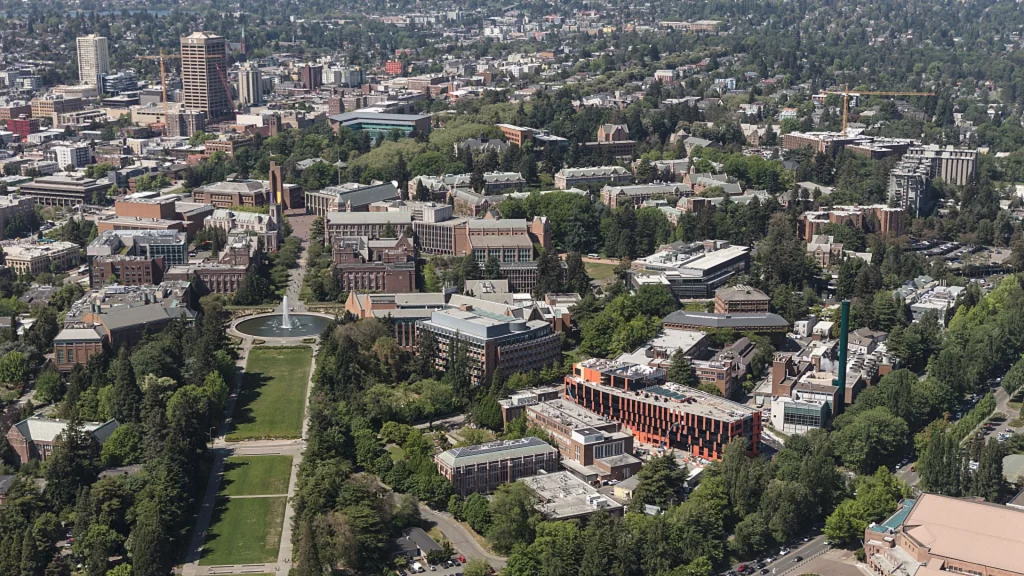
point(269, 326)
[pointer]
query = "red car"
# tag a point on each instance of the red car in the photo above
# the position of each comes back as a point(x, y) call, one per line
point(461, 558)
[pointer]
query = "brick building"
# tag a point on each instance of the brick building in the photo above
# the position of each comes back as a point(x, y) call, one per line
point(402, 311)
point(485, 467)
point(36, 436)
point(662, 413)
point(740, 299)
point(126, 270)
point(380, 265)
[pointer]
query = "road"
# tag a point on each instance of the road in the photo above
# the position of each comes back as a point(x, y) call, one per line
point(461, 539)
point(808, 550)
point(442, 423)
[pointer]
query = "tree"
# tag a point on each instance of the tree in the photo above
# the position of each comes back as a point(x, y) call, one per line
point(874, 438)
point(477, 181)
point(751, 536)
point(71, 465)
point(477, 512)
point(487, 413)
point(492, 268)
point(126, 397)
point(988, 481)
point(458, 374)
point(310, 562)
point(549, 274)
point(14, 368)
point(681, 370)
point(655, 301)
point(476, 567)
point(659, 483)
point(513, 517)
point(576, 278)
point(123, 447)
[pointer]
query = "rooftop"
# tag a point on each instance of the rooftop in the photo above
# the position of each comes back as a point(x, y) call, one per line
point(563, 495)
point(471, 455)
point(708, 320)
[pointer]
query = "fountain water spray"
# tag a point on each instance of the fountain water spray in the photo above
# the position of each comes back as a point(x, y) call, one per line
point(286, 321)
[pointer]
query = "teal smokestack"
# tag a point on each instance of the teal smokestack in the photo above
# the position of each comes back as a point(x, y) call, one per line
point(844, 330)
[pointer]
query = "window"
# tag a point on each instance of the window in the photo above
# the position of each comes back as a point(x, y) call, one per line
point(71, 355)
point(60, 356)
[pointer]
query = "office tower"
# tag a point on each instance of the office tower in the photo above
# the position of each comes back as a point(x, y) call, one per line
point(204, 80)
point(93, 59)
point(311, 76)
point(250, 85)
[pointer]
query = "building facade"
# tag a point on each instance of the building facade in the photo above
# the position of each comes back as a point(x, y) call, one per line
point(484, 467)
point(204, 84)
point(660, 413)
point(93, 59)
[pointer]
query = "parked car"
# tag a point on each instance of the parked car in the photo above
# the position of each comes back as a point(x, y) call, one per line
point(798, 559)
point(784, 551)
point(461, 558)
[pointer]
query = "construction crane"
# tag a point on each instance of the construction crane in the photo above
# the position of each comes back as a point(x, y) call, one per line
point(163, 73)
point(845, 93)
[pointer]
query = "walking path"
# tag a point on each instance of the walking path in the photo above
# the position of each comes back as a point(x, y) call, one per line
point(222, 450)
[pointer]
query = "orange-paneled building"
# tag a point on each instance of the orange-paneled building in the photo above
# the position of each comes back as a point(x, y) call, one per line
point(659, 412)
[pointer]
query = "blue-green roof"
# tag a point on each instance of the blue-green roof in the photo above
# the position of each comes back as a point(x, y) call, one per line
point(896, 520)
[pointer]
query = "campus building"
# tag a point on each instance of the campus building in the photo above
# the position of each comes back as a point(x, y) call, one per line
point(168, 245)
point(693, 270)
point(380, 125)
point(31, 256)
point(877, 218)
point(379, 265)
point(492, 340)
point(350, 197)
point(937, 535)
point(401, 311)
point(63, 190)
point(576, 177)
point(14, 206)
point(36, 436)
point(484, 467)
point(593, 447)
point(758, 323)
point(637, 194)
point(741, 299)
point(662, 413)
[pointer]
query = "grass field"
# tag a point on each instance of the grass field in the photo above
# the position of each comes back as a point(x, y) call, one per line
point(245, 531)
point(599, 271)
point(273, 394)
point(256, 475)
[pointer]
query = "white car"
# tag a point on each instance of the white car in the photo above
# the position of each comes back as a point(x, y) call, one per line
point(593, 255)
point(784, 551)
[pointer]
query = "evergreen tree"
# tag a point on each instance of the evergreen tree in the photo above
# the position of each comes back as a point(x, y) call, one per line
point(72, 464)
point(470, 268)
point(549, 274)
point(458, 370)
point(422, 194)
point(576, 278)
point(988, 481)
point(528, 169)
point(492, 268)
point(426, 353)
point(681, 370)
point(126, 398)
point(310, 562)
point(477, 181)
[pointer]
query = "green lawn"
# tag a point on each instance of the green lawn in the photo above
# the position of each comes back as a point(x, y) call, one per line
point(245, 531)
point(256, 475)
point(273, 394)
point(599, 271)
point(397, 452)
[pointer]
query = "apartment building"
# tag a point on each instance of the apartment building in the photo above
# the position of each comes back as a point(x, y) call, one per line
point(876, 218)
point(52, 105)
point(250, 85)
point(484, 467)
point(492, 340)
point(953, 165)
point(936, 535)
point(662, 413)
point(93, 59)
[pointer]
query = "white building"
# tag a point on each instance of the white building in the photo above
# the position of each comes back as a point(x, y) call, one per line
point(75, 156)
point(93, 59)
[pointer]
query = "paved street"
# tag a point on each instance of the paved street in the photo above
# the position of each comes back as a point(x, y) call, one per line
point(461, 539)
point(786, 564)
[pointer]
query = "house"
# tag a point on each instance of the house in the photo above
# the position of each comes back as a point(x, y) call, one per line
point(415, 543)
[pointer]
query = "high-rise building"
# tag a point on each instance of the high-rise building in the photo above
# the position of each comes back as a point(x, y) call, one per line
point(250, 85)
point(204, 79)
point(311, 76)
point(185, 122)
point(93, 59)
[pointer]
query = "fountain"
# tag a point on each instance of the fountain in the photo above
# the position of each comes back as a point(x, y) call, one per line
point(286, 321)
point(285, 325)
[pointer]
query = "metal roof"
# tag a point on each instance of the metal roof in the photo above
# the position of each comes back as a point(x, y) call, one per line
point(491, 451)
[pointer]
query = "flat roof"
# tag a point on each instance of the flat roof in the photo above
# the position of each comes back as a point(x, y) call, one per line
point(491, 451)
point(563, 495)
point(682, 399)
point(358, 116)
point(342, 218)
point(569, 414)
point(765, 320)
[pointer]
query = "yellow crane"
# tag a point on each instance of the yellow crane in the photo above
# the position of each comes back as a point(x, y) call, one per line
point(845, 93)
point(163, 73)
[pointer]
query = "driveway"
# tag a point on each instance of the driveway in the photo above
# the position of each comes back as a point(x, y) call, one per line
point(463, 542)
